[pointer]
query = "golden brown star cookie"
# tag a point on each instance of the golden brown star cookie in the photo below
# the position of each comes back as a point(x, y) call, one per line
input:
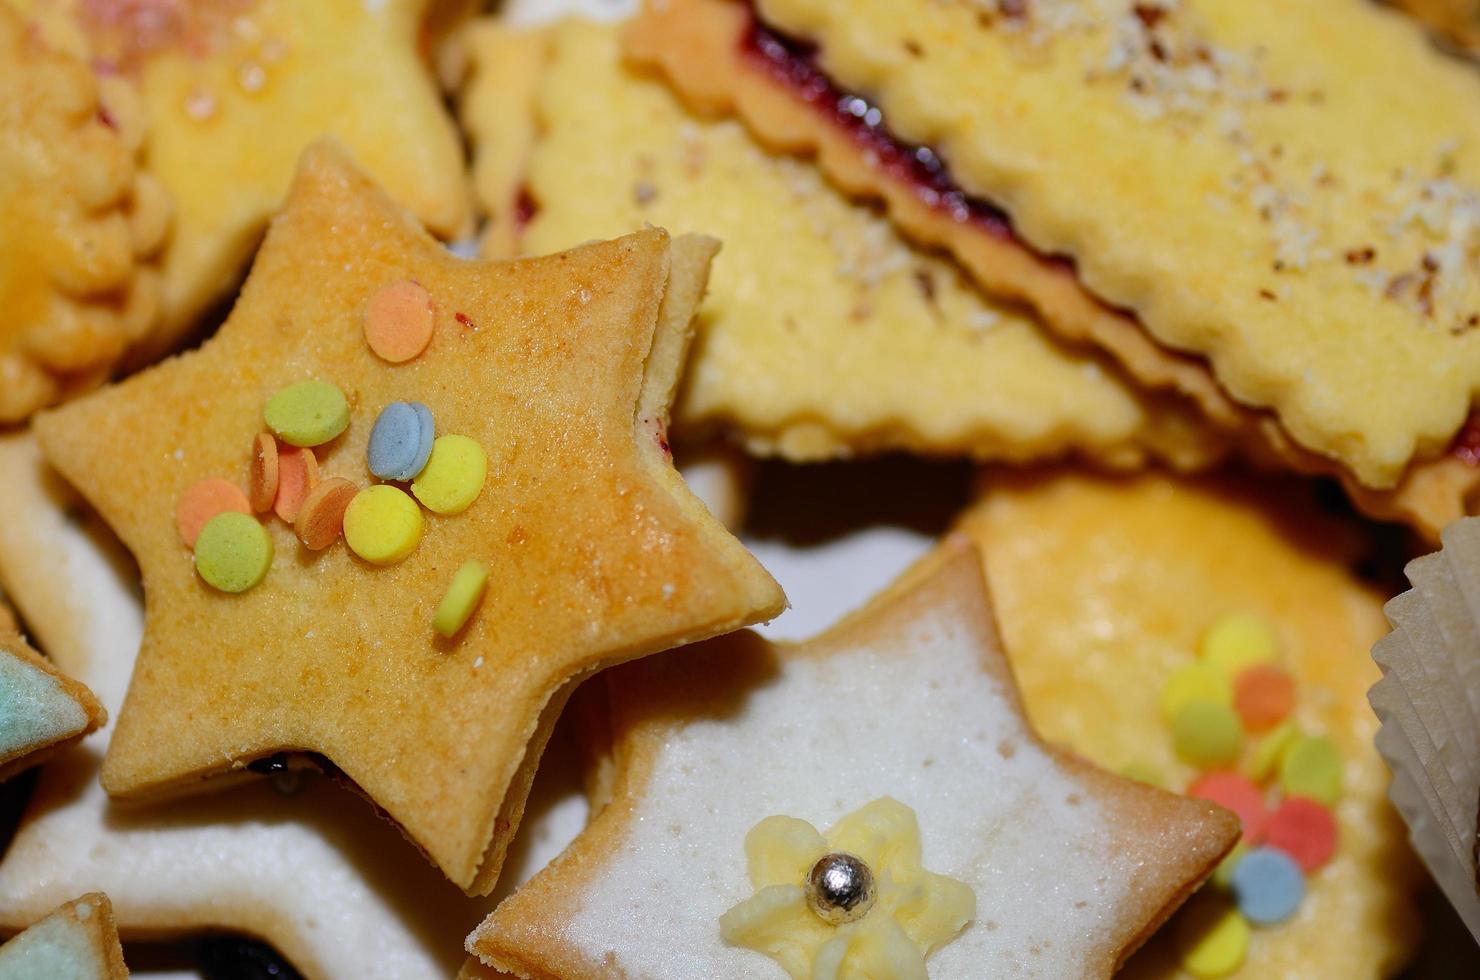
point(966, 843)
point(823, 333)
point(76, 279)
point(233, 92)
point(713, 51)
point(1147, 566)
point(42, 710)
point(556, 371)
point(78, 940)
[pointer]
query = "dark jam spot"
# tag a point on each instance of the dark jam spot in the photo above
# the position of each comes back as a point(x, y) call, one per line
point(106, 118)
point(465, 320)
point(1467, 443)
point(269, 766)
point(525, 209)
point(239, 958)
point(795, 64)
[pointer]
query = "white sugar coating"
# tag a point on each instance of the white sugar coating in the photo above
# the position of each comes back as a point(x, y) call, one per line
point(35, 709)
point(56, 948)
point(922, 723)
point(320, 867)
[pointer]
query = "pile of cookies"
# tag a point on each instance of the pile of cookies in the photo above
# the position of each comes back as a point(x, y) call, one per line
point(347, 349)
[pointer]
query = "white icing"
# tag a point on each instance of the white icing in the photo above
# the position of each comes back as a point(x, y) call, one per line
point(361, 901)
point(56, 948)
point(922, 723)
point(35, 709)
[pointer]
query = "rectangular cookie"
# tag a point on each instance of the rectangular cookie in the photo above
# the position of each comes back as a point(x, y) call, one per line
point(717, 55)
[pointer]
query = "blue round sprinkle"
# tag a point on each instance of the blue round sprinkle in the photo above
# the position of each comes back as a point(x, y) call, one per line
point(401, 441)
point(1268, 885)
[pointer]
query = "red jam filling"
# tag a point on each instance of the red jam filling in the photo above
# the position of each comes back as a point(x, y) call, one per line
point(794, 64)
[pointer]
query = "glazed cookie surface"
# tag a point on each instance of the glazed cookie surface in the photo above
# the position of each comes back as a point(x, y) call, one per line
point(1148, 565)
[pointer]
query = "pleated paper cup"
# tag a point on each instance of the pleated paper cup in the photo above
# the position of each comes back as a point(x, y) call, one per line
point(1429, 704)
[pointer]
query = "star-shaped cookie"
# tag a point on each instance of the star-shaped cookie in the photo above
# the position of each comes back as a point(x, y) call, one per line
point(42, 710)
point(233, 93)
point(909, 699)
point(78, 940)
point(561, 369)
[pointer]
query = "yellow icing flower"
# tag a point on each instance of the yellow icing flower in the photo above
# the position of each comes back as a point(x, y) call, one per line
point(854, 903)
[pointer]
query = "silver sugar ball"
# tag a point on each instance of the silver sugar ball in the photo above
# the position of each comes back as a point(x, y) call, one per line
point(840, 888)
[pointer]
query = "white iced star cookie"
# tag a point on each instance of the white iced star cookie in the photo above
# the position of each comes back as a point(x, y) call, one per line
point(910, 698)
point(78, 941)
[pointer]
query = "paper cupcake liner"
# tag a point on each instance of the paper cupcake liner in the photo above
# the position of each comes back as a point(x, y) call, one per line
point(1429, 704)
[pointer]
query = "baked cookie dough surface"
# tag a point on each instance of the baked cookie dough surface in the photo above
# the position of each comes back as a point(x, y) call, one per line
point(1103, 588)
point(1196, 158)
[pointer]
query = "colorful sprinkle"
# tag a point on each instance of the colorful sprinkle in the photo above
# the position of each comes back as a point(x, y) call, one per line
point(298, 475)
point(203, 501)
point(399, 321)
point(233, 552)
point(453, 476)
point(1223, 873)
point(1266, 757)
point(461, 597)
point(1268, 886)
point(1230, 790)
point(321, 517)
point(1303, 829)
point(308, 413)
point(1311, 767)
point(1143, 772)
point(1263, 696)
point(1194, 682)
point(1207, 734)
point(1213, 938)
point(262, 475)
point(1237, 641)
point(382, 525)
point(401, 441)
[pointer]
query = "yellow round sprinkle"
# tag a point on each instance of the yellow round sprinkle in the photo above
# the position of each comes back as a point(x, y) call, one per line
point(1194, 681)
point(1270, 750)
point(461, 596)
point(1213, 938)
point(453, 476)
point(1239, 640)
point(1142, 772)
point(382, 525)
point(308, 413)
point(1207, 734)
point(1223, 873)
point(233, 552)
point(1310, 767)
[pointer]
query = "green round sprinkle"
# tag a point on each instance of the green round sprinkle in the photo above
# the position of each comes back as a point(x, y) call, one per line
point(1207, 734)
point(308, 413)
point(233, 552)
point(1311, 767)
point(462, 595)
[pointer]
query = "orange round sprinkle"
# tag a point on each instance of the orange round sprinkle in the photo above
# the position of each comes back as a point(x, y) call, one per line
point(203, 501)
point(321, 517)
point(399, 320)
point(298, 474)
point(1263, 695)
point(262, 480)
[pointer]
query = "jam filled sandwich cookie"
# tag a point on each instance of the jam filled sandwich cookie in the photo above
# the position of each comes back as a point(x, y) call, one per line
point(273, 858)
point(42, 710)
point(231, 94)
point(82, 226)
point(1219, 649)
point(828, 358)
point(76, 942)
point(419, 635)
point(869, 803)
point(1313, 293)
